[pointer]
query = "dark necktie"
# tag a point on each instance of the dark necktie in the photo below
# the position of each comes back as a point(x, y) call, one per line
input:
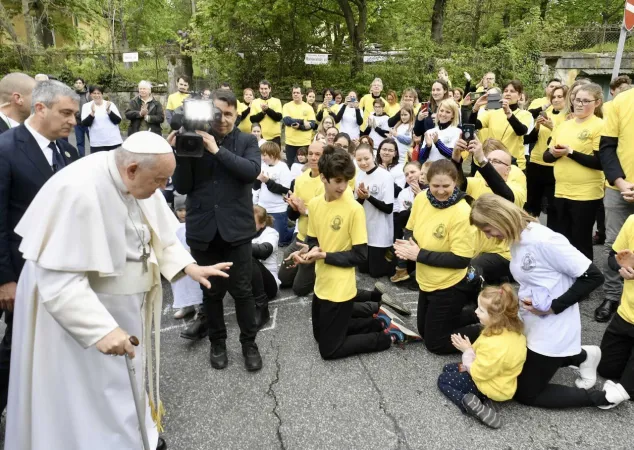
point(58, 159)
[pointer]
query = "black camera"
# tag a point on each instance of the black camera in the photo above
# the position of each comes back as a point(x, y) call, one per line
point(196, 114)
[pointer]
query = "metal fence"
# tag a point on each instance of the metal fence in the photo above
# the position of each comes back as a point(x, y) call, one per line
point(595, 39)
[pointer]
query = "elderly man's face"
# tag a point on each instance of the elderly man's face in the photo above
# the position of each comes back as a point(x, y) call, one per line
point(142, 182)
point(144, 90)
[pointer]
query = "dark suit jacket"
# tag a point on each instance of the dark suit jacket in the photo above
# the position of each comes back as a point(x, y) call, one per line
point(23, 171)
point(3, 126)
point(218, 189)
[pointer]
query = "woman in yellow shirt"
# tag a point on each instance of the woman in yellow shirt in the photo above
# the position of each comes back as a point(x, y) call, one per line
point(579, 180)
point(540, 176)
point(490, 367)
point(443, 250)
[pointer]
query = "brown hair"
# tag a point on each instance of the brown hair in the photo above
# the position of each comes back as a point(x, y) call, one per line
point(442, 167)
point(501, 214)
point(618, 81)
point(502, 305)
point(493, 144)
point(271, 149)
point(597, 92)
point(563, 88)
point(261, 216)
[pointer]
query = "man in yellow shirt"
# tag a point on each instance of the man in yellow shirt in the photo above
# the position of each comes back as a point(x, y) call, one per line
point(176, 99)
point(267, 111)
point(299, 119)
point(544, 102)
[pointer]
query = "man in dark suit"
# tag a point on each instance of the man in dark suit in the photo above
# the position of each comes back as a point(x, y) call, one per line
point(15, 100)
point(29, 155)
point(221, 225)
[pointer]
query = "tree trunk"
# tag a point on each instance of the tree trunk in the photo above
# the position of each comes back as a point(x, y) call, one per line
point(29, 26)
point(437, 20)
point(476, 23)
point(543, 7)
point(356, 31)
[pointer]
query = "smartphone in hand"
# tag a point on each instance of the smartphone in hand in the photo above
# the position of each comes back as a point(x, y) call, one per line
point(468, 132)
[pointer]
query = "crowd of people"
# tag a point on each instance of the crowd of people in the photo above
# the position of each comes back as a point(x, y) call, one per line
point(366, 183)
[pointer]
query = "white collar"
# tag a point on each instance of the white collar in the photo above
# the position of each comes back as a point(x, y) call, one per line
point(41, 140)
point(9, 121)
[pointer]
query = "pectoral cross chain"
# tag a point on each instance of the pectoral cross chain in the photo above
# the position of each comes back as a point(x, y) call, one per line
point(144, 257)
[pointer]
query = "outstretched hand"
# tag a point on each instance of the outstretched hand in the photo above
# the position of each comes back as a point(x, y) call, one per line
point(201, 273)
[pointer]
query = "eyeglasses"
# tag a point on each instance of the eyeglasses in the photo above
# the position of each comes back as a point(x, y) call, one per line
point(497, 161)
point(583, 102)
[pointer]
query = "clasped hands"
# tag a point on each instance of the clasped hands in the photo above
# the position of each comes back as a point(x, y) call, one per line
point(304, 255)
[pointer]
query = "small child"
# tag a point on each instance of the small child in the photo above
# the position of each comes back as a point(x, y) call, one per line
point(187, 292)
point(490, 367)
point(374, 189)
point(298, 167)
point(256, 130)
point(276, 183)
point(378, 129)
point(264, 249)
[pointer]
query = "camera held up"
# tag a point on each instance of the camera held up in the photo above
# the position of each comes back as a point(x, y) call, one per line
point(196, 114)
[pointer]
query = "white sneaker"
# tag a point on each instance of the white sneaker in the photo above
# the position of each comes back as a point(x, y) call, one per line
point(184, 312)
point(615, 394)
point(588, 369)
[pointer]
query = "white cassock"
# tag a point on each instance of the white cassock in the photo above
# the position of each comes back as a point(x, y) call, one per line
point(84, 277)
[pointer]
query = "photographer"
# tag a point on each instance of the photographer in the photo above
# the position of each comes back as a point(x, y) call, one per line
point(220, 222)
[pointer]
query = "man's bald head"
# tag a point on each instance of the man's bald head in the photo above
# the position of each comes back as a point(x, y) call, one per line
point(315, 150)
point(502, 161)
point(15, 95)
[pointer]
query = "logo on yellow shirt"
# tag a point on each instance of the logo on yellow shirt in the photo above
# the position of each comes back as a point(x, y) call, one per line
point(528, 263)
point(336, 223)
point(441, 231)
point(584, 135)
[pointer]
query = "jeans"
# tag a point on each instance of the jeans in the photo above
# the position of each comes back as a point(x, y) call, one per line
point(617, 349)
point(80, 135)
point(5, 359)
point(617, 211)
point(455, 385)
point(534, 387)
point(238, 285)
point(440, 315)
point(280, 223)
point(301, 277)
point(575, 220)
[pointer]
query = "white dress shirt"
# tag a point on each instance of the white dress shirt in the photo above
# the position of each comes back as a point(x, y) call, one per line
point(8, 120)
point(42, 142)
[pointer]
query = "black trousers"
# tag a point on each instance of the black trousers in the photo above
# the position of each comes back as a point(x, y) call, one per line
point(5, 358)
point(262, 281)
point(534, 387)
point(376, 265)
point(540, 184)
point(575, 220)
point(617, 349)
point(291, 153)
point(238, 285)
point(339, 334)
point(440, 315)
point(601, 220)
point(494, 268)
point(277, 140)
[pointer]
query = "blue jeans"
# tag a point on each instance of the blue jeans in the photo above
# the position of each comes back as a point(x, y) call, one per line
point(81, 139)
point(280, 223)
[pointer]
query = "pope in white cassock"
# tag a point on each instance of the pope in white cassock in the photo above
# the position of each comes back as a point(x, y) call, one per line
point(96, 240)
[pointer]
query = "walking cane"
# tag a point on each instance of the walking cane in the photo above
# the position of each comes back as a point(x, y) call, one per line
point(140, 407)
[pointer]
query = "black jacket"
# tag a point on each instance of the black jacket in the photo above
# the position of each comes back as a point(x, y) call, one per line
point(23, 171)
point(218, 189)
point(155, 114)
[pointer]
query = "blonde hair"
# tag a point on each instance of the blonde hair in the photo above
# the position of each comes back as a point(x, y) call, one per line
point(503, 306)
point(501, 214)
point(450, 104)
point(410, 110)
point(597, 92)
point(271, 149)
point(321, 128)
point(261, 216)
point(491, 145)
point(570, 108)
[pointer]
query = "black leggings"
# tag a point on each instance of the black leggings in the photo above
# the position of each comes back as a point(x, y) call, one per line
point(617, 349)
point(534, 387)
point(575, 220)
point(540, 183)
point(494, 268)
point(376, 265)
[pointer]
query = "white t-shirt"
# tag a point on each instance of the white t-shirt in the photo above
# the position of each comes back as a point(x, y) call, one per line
point(405, 200)
point(449, 136)
point(403, 131)
point(272, 237)
point(186, 291)
point(379, 122)
point(380, 226)
point(543, 259)
point(296, 170)
point(103, 133)
point(398, 175)
point(280, 173)
point(349, 124)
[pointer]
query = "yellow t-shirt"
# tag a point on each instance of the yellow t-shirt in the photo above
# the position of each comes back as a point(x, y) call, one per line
point(476, 187)
point(175, 100)
point(245, 124)
point(306, 188)
point(303, 111)
point(500, 128)
point(537, 155)
point(572, 180)
point(538, 103)
point(625, 241)
point(390, 110)
point(332, 111)
point(499, 361)
point(270, 128)
point(440, 230)
point(482, 244)
point(516, 176)
point(337, 225)
point(620, 124)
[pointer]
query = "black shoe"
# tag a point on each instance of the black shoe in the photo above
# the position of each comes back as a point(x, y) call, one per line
point(252, 358)
point(197, 329)
point(262, 315)
point(161, 444)
point(598, 239)
point(218, 355)
point(604, 312)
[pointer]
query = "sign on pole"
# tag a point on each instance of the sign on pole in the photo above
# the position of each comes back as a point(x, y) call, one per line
point(315, 58)
point(130, 57)
point(629, 15)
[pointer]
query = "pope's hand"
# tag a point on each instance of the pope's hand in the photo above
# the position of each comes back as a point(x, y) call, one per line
point(201, 273)
point(117, 342)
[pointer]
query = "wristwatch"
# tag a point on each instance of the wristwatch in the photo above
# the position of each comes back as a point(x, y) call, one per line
point(484, 162)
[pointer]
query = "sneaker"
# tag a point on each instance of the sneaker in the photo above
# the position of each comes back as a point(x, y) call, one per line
point(390, 301)
point(184, 312)
point(484, 414)
point(252, 358)
point(588, 369)
point(218, 355)
point(402, 334)
point(400, 275)
point(615, 394)
point(385, 315)
point(197, 328)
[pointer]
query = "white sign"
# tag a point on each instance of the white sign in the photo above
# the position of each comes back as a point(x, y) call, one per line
point(315, 58)
point(130, 57)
